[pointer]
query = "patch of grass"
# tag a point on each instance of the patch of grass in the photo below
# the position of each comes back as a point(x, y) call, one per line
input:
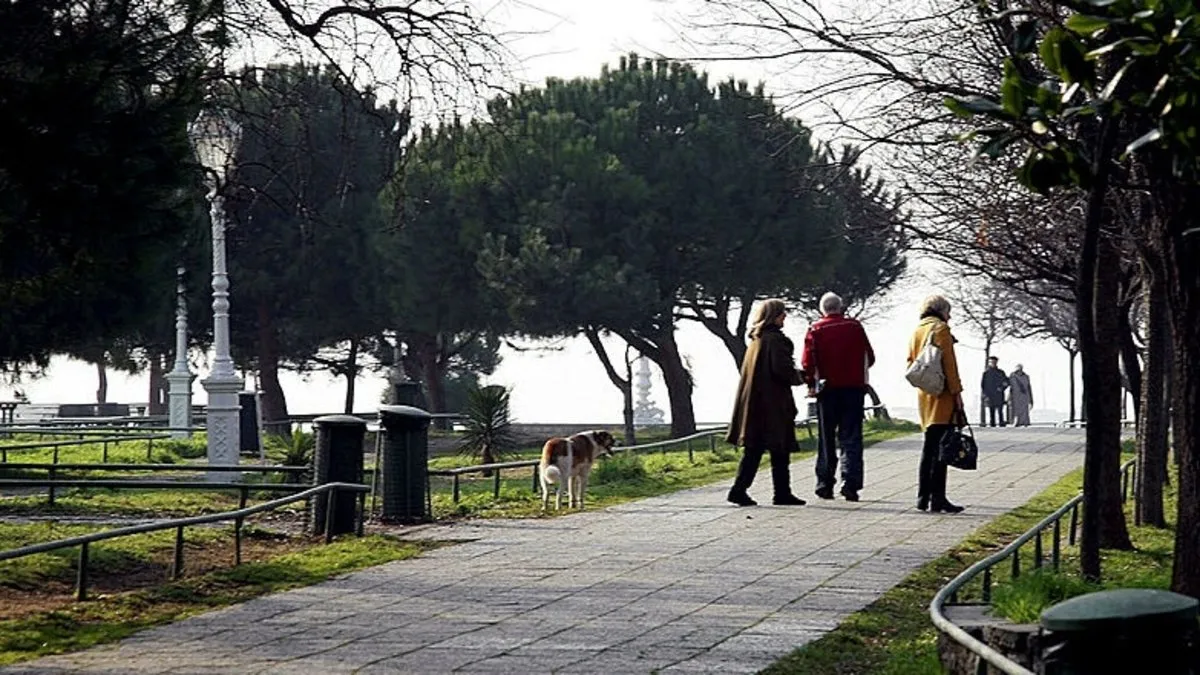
point(83, 625)
point(623, 481)
point(1147, 566)
point(161, 451)
point(893, 635)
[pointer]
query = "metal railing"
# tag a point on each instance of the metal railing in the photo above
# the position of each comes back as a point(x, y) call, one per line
point(82, 433)
point(53, 481)
point(238, 517)
point(105, 441)
point(457, 472)
point(948, 594)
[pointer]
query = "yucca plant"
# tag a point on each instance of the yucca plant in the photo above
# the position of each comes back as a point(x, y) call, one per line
point(296, 450)
point(488, 431)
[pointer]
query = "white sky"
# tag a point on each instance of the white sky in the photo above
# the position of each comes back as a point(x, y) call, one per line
point(575, 39)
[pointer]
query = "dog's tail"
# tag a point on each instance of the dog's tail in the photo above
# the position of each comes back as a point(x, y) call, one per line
point(551, 474)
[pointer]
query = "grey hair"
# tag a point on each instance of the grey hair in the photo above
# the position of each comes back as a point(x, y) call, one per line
point(831, 303)
point(935, 305)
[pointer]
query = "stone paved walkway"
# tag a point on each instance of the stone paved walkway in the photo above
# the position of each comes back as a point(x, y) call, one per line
point(680, 584)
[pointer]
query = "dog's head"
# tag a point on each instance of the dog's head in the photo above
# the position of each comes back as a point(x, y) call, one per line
point(604, 441)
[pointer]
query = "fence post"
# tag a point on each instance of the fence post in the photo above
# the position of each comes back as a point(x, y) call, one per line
point(332, 496)
point(177, 566)
point(987, 584)
point(1074, 524)
point(52, 470)
point(1037, 551)
point(104, 452)
point(496, 484)
point(1016, 562)
point(237, 541)
point(455, 488)
point(536, 487)
point(1056, 547)
point(81, 579)
point(691, 458)
point(362, 513)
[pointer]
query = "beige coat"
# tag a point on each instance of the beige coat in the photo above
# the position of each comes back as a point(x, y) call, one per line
point(937, 409)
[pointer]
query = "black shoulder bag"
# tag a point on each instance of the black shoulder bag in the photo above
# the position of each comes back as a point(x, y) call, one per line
point(957, 447)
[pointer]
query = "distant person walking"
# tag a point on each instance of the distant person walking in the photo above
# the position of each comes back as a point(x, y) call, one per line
point(1020, 396)
point(994, 383)
point(764, 415)
point(836, 357)
point(939, 412)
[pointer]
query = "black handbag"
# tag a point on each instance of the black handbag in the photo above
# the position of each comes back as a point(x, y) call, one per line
point(958, 448)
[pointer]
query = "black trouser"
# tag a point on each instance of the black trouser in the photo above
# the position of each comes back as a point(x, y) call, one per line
point(932, 479)
point(840, 422)
point(996, 410)
point(781, 476)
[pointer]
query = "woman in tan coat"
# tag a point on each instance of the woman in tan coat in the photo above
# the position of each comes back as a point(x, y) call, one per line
point(940, 412)
point(764, 416)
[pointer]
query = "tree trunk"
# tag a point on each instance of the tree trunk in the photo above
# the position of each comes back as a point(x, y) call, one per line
point(1106, 395)
point(624, 385)
point(627, 411)
point(660, 347)
point(1071, 370)
point(102, 381)
point(351, 373)
point(434, 375)
point(679, 387)
point(1095, 309)
point(1130, 362)
point(1155, 401)
point(156, 400)
point(275, 412)
point(1181, 243)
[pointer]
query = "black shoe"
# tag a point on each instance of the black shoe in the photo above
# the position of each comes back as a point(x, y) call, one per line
point(850, 495)
point(824, 492)
point(788, 500)
point(923, 503)
point(945, 507)
point(741, 499)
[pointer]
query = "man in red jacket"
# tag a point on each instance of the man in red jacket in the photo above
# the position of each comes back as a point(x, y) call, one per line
point(836, 357)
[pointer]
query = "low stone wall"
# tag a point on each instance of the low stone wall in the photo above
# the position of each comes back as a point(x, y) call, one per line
point(1019, 642)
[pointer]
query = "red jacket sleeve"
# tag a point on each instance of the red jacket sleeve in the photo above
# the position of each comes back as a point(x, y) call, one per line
point(808, 358)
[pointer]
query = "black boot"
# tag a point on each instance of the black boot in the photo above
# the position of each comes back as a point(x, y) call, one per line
point(943, 505)
point(740, 498)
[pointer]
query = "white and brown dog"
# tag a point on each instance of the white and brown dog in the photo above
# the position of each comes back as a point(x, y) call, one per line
point(573, 459)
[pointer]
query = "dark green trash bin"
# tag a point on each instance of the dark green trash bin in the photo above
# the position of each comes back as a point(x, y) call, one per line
point(404, 474)
point(1129, 630)
point(338, 458)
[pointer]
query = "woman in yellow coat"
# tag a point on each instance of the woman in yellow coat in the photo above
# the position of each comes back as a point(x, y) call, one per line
point(938, 412)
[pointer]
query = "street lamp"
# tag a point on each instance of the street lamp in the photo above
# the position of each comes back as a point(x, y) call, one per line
point(215, 136)
point(180, 378)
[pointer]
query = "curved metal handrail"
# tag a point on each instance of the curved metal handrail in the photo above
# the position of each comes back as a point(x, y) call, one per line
point(943, 623)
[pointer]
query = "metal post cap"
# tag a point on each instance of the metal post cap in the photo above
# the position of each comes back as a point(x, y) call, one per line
point(1110, 609)
point(404, 411)
point(339, 420)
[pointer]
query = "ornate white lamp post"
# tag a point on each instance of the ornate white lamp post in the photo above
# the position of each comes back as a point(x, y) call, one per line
point(180, 378)
point(215, 136)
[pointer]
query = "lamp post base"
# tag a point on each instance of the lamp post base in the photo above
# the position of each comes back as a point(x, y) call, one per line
point(224, 434)
point(179, 407)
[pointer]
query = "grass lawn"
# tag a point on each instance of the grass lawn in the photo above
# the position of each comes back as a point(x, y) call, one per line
point(161, 451)
point(894, 635)
point(1147, 566)
point(619, 479)
point(33, 625)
